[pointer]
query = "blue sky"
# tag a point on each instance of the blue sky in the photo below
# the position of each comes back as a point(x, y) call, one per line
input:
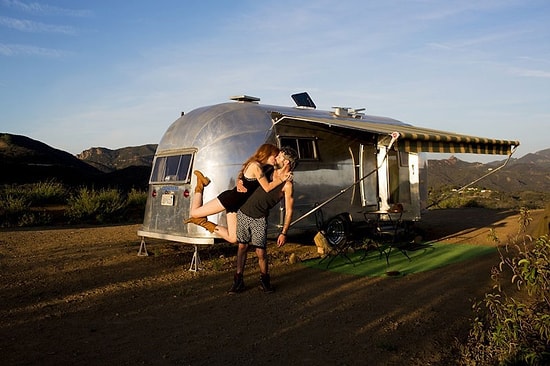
point(80, 74)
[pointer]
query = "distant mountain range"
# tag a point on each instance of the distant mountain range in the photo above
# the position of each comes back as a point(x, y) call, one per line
point(24, 160)
point(528, 173)
point(107, 160)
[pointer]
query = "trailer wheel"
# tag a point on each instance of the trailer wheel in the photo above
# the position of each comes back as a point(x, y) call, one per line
point(337, 230)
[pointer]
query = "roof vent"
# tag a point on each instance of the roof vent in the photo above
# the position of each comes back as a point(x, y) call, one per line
point(356, 112)
point(348, 112)
point(245, 98)
point(303, 100)
point(340, 111)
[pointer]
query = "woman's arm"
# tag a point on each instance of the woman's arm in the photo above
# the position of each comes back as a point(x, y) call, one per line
point(256, 171)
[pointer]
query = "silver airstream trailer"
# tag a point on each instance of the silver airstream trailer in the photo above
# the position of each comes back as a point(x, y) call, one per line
point(350, 164)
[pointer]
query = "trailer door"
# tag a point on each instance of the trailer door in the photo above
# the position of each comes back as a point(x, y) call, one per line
point(399, 185)
point(367, 166)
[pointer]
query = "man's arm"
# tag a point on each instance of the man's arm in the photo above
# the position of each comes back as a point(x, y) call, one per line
point(288, 191)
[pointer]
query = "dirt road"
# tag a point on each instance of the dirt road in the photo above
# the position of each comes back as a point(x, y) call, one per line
point(82, 296)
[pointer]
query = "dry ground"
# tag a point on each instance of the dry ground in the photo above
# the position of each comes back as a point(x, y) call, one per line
point(71, 295)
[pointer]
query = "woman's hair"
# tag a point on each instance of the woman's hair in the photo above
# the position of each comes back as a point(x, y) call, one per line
point(261, 155)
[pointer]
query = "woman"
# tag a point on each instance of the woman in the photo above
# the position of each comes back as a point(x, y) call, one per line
point(252, 176)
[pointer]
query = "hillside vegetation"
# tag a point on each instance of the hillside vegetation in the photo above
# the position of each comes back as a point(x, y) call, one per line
point(32, 171)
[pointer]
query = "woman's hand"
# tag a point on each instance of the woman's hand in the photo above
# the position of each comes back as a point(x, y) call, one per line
point(288, 177)
point(240, 186)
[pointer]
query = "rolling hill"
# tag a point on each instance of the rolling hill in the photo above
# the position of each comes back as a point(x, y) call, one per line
point(24, 160)
point(528, 173)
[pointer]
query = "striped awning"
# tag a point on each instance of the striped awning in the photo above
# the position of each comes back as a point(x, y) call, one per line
point(417, 139)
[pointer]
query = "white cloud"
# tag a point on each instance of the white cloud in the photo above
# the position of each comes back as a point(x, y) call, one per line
point(436, 10)
point(482, 40)
point(43, 9)
point(530, 73)
point(35, 27)
point(18, 49)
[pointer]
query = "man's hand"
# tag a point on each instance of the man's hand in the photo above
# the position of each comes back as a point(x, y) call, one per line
point(281, 240)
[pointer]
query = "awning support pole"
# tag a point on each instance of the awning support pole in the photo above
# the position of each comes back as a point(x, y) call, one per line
point(476, 180)
point(491, 172)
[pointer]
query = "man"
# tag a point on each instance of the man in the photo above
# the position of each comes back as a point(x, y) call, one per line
point(252, 220)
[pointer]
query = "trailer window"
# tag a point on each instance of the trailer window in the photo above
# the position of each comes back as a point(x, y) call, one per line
point(175, 168)
point(304, 146)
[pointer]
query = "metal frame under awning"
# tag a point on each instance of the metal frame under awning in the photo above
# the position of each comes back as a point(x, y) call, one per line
point(416, 139)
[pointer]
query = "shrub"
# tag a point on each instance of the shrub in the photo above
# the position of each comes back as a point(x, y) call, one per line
point(12, 208)
point(34, 219)
point(38, 193)
point(459, 202)
point(447, 197)
point(534, 200)
point(136, 202)
point(514, 330)
point(47, 193)
point(543, 227)
point(21, 205)
point(16, 211)
point(137, 198)
point(87, 205)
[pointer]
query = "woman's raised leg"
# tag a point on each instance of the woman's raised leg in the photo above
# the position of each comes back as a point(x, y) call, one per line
point(199, 211)
point(202, 181)
point(229, 233)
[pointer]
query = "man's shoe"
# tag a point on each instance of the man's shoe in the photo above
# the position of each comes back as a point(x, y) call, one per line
point(265, 283)
point(238, 284)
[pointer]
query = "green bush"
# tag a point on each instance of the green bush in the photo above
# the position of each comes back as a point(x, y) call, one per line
point(137, 198)
point(50, 192)
point(26, 205)
point(34, 219)
point(90, 206)
point(543, 227)
point(514, 330)
point(12, 208)
point(17, 203)
point(460, 202)
point(40, 193)
point(16, 211)
point(447, 197)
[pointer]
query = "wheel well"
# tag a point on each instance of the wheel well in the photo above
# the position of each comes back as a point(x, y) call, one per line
point(337, 229)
